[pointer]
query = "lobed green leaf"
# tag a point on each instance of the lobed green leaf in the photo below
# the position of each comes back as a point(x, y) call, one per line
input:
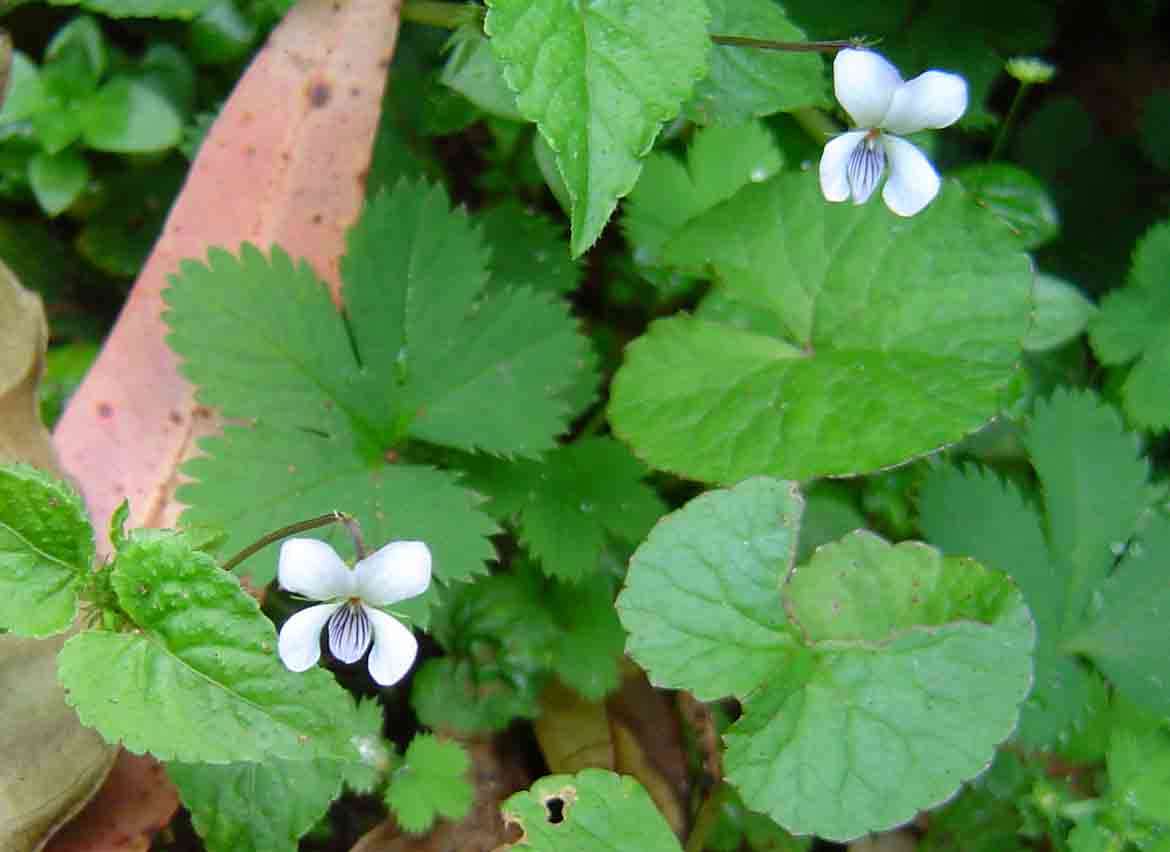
point(565, 509)
point(872, 661)
point(431, 783)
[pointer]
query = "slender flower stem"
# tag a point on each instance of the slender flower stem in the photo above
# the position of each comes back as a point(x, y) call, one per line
point(816, 124)
point(437, 13)
point(325, 520)
point(793, 46)
point(1005, 128)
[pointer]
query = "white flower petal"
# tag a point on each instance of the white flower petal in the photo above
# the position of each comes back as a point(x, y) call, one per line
point(865, 168)
point(394, 648)
point(864, 83)
point(931, 100)
point(400, 570)
point(299, 644)
point(312, 568)
point(350, 632)
point(834, 159)
point(913, 181)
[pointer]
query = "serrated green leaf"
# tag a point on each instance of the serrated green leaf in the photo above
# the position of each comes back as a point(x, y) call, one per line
point(745, 82)
point(254, 480)
point(565, 509)
point(527, 250)
point(128, 117)
point(720, 161)
point(1126, 636)
point(1015, 196)
point(199, 679)
point(592, 811)
point(46, 551)
point(429, 359)
point(1062, 312)
point(256, 807)
point(1095, 489)
point(483, 374)
point(431, 783)
point(973, 513)
point(599, 80)
point(1133, 324)
point(872, 661)
point(908, 334)
point(57, 179)
point(280, 345)
point(184, 9)
point(472, 70)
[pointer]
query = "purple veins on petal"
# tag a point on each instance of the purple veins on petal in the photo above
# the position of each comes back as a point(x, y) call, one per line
point(350, 632)
point(864, 168)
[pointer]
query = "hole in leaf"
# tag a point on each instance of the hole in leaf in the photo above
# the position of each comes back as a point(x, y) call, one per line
point(556, 810)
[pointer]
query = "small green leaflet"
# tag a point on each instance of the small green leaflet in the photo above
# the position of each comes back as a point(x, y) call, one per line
point(870, 662)
point(1133, 325)
point(421, 353)
point(595, 811)
point(256, 807)
point(746, 82)
point(1094, 485)
point(720, 161)
point(1017, 197)
point(599, 80)
point(1062, 312)
point(472, 70)
point(565, 508)
point(1139, 764)
point(46, 551)
point(901, 335)
point(198, 680)
point(458, 695)
point(431, 783)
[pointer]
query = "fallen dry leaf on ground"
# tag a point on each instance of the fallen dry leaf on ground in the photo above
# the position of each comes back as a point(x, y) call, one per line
point(50, 764)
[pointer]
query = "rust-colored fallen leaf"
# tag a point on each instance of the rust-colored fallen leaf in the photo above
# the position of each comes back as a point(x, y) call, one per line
point(284, 164)
point(23, 338)
point(497, 775)
point(132, 806)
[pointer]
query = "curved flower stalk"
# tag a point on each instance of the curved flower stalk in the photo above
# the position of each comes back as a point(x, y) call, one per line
point(883, 107)
point(351, 605)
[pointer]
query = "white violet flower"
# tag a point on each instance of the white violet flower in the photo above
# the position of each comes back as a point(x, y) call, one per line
point(881, 104)
point(311, 568)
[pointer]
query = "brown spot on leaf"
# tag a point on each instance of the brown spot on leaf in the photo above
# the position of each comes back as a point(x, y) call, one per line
point(319, 93)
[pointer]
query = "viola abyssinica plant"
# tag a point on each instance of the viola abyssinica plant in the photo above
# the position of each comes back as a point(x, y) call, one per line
point(884, 107)
point(762, 344)
point(351, 612)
